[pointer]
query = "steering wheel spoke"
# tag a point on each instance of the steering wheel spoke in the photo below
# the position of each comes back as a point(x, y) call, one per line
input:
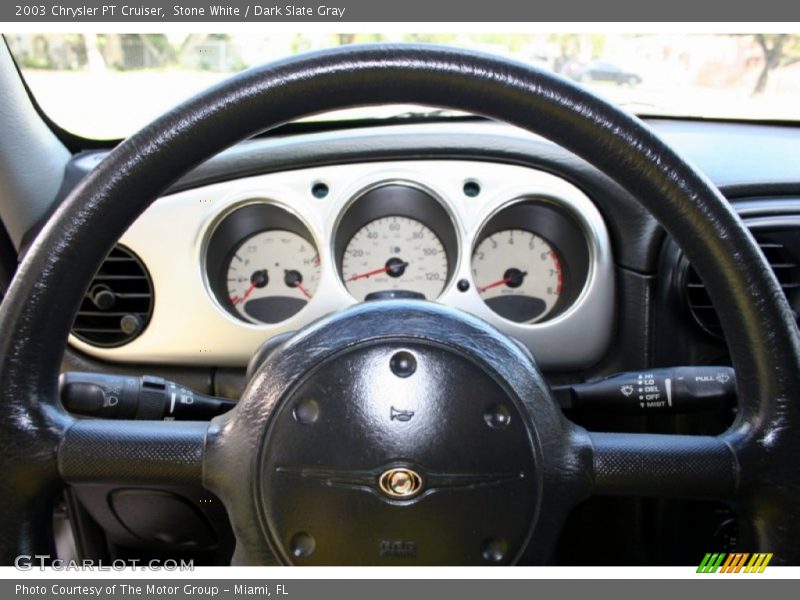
point(132, 452)
point(676, 466)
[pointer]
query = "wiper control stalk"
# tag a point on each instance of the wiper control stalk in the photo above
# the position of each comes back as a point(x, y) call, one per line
point(654, 391)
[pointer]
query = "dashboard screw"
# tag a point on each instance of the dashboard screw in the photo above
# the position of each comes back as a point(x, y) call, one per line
point(462, 285)
point(319, 190)
point(403, 364)
point(497, 416)
point(306, 411)
point(471, 189)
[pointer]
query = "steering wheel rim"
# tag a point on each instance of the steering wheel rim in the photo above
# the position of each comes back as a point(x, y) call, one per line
point(41, 303)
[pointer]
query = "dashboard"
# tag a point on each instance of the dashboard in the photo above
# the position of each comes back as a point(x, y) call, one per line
point(621, 295)
point(277, 232)
point(236, 263)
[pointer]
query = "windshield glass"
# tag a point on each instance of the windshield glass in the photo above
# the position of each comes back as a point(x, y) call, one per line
point(107, 86)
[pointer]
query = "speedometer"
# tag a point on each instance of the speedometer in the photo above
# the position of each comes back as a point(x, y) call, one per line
point(394, 253)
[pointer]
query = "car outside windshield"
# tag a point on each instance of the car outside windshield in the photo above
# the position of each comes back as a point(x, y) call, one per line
point(107, 86)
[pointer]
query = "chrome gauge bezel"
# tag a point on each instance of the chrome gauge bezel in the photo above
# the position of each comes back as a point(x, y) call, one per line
point(423, 205)
point(235, 228)
point(557, 224)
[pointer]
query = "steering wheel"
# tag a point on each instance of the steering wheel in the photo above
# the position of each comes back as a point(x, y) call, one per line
point(398, 431)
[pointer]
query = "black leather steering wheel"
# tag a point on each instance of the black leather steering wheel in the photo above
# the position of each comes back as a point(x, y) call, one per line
point(752, 465)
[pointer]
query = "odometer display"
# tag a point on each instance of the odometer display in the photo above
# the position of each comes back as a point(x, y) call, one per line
point(394, 253)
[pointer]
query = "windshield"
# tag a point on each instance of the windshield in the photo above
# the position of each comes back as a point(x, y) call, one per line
point(107, 86)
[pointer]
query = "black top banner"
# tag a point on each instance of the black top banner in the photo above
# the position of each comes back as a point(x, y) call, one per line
point(468, 11)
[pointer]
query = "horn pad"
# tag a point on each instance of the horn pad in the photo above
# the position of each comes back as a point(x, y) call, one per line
point(397, 453)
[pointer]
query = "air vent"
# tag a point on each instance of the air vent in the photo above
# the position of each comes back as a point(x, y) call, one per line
point(118, 303)
point(780, 248)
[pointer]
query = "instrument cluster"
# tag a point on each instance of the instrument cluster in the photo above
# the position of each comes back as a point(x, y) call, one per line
point(260, 256)
point(529, 261)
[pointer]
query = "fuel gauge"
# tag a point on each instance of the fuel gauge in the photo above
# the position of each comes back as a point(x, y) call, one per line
point(272, 275)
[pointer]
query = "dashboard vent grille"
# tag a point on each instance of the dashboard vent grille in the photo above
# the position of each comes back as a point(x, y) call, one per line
point(780, 258)
point(118, 303)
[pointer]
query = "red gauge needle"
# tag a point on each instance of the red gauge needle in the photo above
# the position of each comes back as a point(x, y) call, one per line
point(294, 279)
point(494, 284)
point(369, 273)
point(392, 265)
point(512, 278)
point(258, 279)
point(237, 300)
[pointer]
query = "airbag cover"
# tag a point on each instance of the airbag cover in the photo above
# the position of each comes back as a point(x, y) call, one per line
point(403, 452)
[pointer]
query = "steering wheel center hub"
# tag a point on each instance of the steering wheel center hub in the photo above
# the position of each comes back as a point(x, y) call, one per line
point(425, 465)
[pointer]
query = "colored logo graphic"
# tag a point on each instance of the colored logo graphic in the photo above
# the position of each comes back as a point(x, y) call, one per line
point(736, 562)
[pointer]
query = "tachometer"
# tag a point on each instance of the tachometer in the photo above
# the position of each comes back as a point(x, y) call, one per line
point(394, 253)
point(272, 275)
point(518, 275)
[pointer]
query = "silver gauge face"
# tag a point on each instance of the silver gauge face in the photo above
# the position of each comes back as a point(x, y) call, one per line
point(394, 253)
point(518, 275)
point(272, 276)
